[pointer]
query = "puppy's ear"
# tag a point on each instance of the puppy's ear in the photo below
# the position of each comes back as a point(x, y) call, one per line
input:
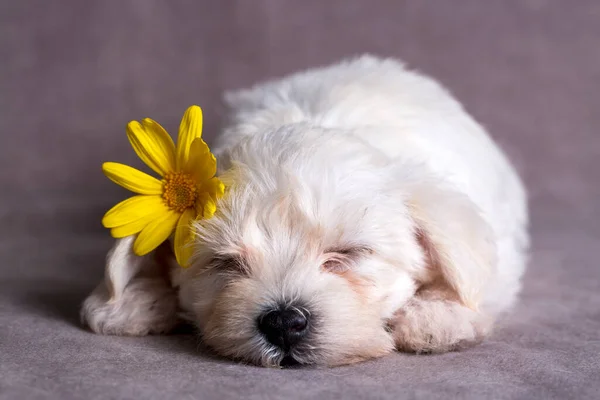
point(121, 266)
point(457, 242)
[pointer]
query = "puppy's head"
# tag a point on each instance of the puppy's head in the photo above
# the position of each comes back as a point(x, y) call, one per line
point(311, 251)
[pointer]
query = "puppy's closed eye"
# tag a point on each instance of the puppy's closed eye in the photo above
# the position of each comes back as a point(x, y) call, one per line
point(229, 264)
point(341, 259)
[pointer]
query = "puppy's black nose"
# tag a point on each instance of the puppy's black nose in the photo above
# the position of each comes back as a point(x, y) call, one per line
point(284, 328)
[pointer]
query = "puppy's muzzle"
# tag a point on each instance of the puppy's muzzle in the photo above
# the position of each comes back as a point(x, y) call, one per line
point(284, 327)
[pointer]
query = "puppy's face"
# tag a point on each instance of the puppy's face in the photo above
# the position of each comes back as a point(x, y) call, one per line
point(303, 264)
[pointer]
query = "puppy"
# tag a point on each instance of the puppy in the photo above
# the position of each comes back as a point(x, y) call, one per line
point(366, 211)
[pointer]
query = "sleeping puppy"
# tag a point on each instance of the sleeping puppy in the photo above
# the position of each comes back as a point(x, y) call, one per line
point(366, 211)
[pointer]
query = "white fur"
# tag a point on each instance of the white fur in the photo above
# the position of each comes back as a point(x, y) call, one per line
point(363, 155)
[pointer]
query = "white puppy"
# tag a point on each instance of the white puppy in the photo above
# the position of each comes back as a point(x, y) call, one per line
point(366, 211)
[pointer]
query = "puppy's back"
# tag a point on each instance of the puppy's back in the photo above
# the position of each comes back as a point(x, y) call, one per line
point(402, 113)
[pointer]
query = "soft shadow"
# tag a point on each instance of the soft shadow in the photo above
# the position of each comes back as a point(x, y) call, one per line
point(185, 339)
point(63, 303)
point(59, 302)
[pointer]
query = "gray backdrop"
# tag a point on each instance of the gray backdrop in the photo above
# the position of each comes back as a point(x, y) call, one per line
point(73, 73)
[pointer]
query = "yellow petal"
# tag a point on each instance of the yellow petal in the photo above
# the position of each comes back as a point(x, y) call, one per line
point(131, 179)
point(202, 165)
point(135, 226)
point(183, 236)
point(189, 129)
point(156, 232)
point(131, 228)
point(210, 207)
point(206, 205)
point(214, 187)
point(153, 145)
point(132, 209)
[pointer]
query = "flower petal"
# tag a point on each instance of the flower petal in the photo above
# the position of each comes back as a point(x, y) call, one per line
point(156, 232)
point(132, 209)
point(153, 145)
point(136, 225)
point(202, 164)
point(205, 205)
point(215, 187)
point(131, 179)
point(210, 207)
point(183, 235)
point(131, 228)
point(189, 129)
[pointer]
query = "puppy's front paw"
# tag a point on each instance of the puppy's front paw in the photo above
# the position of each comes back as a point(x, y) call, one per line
point(146, 306)
point(436, 326)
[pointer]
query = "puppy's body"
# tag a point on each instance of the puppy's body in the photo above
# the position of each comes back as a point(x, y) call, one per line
point(411, 120)
point(364, 203)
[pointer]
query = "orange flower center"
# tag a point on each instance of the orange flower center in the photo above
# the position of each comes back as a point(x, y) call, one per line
point(179, 191)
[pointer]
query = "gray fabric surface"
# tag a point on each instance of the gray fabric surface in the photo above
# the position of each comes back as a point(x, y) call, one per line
point(72, 73)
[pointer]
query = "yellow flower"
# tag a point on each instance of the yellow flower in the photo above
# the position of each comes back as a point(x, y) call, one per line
point(188, 189)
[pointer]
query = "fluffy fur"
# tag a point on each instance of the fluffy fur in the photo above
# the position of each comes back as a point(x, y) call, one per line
point(361, 195)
